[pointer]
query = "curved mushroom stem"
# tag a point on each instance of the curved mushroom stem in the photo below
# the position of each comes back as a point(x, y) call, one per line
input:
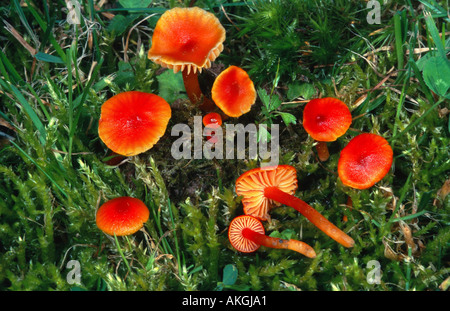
point(194, 92)
point(294, 245)
point(322, 151)
point(311, 214)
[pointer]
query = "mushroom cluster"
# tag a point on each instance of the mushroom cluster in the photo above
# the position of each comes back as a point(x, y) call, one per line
point(364, 161)
point(262, 188)
point(188, 40)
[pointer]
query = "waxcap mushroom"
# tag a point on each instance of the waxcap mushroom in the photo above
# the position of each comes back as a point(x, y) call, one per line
point(262, 187)
point(212, 121)
point(236, 237)
point(325, 120)
point(212, 118)
point(187, 38)
point(233, 91)
point(364, 161)
point(122, 216)
point(246, 234)
point(132, 122)
point(251, 186)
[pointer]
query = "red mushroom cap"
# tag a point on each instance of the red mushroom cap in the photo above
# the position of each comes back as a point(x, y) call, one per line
point(233, 92)
point(212, 121)
point(212, 118)
point(122, 216)
point(365, 160)
point(187, 38)
point(326, 119)
point(236, 236)
point(132, 122)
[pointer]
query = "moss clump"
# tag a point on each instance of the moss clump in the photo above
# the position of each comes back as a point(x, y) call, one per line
point(54, 170)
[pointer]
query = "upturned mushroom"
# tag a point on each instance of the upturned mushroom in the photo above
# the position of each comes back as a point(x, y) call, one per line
point(364, 161)
point(188, 40)
point(325, 120)
point(247, 234)
point(233, 91)
point(262, 188)
point(132, 122)
point(122, 216)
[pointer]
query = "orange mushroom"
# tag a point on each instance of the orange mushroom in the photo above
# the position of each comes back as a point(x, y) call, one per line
point(188, 40)
point(325, 120)
point(132, 122)
point(364, 161)
point(246, 234)
point(212, 121)
point(233, 92)
point(262, 188)
point(122, 216)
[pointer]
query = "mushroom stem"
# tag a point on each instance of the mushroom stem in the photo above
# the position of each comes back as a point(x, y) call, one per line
point(311, 214)
point(194, 92)
point(322, 151)
point(278, 243)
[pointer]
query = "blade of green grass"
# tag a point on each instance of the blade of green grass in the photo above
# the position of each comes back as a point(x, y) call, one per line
point(398, 39)
point(431, 27)
point(48, 58)
point(44, 27)
point(119, 249)
point(403, 192)
point(399, 107)
point(27, 108)
point(8, 70)
point(439, 11)
point(70, 101)
point(408, 217)
point(24, 21)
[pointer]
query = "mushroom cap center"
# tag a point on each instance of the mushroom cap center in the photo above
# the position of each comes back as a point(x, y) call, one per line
point(365, 160)
point(326, 119)
point(187, 38)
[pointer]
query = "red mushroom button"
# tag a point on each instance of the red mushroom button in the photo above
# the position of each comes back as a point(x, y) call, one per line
point(188, 40)
point(122, 216)
point(132, 122)
point(364, 161)
point(263, 187)
point(212, 121)
point(246, 234)
point(233, 92)
point(325, 120)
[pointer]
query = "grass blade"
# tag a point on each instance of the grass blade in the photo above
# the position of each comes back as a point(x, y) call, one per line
point(28, 109)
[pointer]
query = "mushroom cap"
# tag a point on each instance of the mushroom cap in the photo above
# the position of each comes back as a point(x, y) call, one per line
point(122, 216)
point(326, 119)
point(252, 183)
point(212, 118)
point(233, 91)
point(236, 237)
point(187, 38)
point(132, 122)
point(365, 160)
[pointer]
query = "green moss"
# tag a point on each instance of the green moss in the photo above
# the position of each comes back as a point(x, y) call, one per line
point(54, 175)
